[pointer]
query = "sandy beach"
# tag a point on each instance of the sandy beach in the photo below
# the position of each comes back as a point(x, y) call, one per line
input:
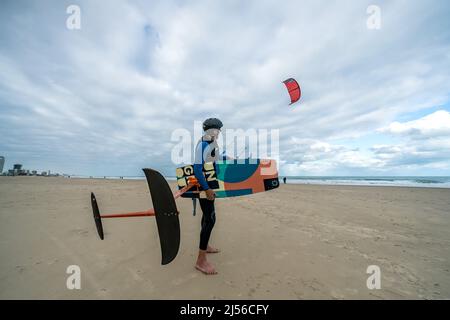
point(296, 242)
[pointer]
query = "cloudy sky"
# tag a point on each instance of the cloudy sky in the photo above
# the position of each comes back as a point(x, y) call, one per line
point(106, 98)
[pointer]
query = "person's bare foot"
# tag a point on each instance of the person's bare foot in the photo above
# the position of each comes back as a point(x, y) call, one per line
point(212, 250)
point(205, 267)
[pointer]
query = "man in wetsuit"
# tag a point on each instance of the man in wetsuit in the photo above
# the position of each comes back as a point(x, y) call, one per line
point(207, 151)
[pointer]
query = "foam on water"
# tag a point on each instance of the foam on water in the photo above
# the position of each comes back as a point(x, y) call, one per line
point(434, 182)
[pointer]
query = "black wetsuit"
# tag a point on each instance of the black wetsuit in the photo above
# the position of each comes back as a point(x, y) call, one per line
point(205, 152)
point(208, 221)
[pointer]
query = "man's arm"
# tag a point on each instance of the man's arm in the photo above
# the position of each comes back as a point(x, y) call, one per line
point(198, 164)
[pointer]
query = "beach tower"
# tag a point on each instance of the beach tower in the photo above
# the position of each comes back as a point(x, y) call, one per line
point(2, 163)
point(17, 169)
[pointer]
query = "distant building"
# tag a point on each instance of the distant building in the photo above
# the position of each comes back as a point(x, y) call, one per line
point(2, 163)
point(19, 171)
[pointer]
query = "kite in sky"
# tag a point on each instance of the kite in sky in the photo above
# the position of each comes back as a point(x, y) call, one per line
point(294, 89)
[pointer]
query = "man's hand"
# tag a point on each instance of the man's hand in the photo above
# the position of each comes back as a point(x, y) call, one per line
point(210, 194)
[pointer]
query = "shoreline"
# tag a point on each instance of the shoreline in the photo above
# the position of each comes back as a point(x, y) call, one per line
point(173, 179)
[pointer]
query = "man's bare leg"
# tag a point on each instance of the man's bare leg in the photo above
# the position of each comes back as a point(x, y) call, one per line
point(203, 265)
point(212, 250)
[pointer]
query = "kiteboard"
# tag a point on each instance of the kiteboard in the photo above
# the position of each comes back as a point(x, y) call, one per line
point(231, 178)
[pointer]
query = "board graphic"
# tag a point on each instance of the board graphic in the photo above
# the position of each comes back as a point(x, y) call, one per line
point(232, 178)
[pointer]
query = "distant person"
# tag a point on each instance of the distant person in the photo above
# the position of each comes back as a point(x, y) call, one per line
point(284, 180)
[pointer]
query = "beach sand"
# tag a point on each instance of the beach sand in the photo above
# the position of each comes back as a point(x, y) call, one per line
point(296, 242)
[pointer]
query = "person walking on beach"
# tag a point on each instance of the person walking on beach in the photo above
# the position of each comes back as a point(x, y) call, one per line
point(284, 180)
point(206, 151)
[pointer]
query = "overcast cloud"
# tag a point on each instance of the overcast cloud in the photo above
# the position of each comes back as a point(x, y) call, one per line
point(105, 99)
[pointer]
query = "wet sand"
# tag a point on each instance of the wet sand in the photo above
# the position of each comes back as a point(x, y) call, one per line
point(296, 242)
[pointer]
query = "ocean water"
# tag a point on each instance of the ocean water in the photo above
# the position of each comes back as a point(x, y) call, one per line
point(434, 182)
point(106, 177)
point(115, 177)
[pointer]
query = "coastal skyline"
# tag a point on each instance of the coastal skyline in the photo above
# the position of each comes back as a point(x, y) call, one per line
point(103, 100)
